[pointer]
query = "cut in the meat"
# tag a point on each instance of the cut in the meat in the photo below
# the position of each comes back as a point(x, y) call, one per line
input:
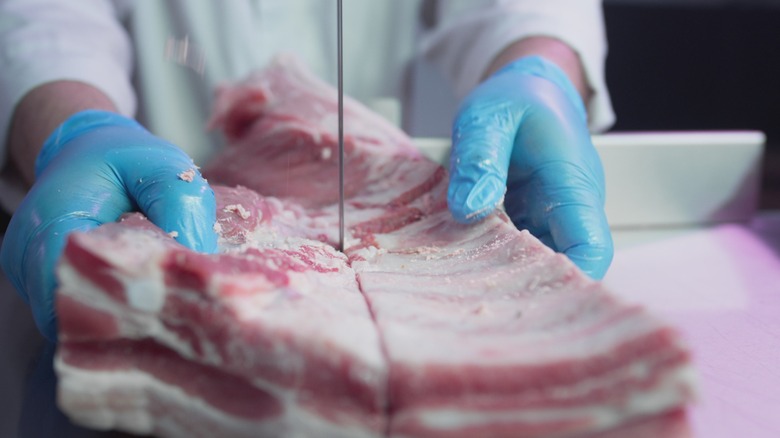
point(423, 328)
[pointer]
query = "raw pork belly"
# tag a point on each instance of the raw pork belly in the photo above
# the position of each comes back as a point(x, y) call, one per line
point(268, 339)
point(499, 336)
point(425, 328)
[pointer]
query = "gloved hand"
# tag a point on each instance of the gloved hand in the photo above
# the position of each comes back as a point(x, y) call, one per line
point(523, 133)
point(96, 166)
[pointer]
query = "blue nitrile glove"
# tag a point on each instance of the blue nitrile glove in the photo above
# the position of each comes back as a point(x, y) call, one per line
point(93, 168)
point(523, 132)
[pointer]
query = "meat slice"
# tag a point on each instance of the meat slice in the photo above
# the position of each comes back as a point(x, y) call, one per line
point(423, 327)
point(293, 114)
point(280, 121)
point(269, 339)
point(487, 332)
point(497, 335)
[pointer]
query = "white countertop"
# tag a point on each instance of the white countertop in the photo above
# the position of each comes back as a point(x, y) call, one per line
point(720, 286)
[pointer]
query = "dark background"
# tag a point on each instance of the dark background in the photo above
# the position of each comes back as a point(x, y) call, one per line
point(698, 65)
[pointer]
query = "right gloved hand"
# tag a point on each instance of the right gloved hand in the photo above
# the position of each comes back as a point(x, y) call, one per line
point(96, 166)
point(522, 137)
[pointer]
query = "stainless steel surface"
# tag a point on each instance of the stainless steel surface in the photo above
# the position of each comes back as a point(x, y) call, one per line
point(341, 124)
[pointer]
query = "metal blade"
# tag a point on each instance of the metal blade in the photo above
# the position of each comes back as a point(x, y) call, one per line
point(341, 125)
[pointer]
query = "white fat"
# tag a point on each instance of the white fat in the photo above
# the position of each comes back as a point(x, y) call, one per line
point(351, 241)
point(268, 238)
point(323, 303)
point(132, 324)
point(146, 294)
point(238, 209)
point(121, 400)
point(460, 341)
point(372, 256)
point(188, 175)
point(425, 250)
point(667, 394)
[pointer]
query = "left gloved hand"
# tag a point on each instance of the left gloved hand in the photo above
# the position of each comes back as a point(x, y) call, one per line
point(93, 168)
point(523, 133)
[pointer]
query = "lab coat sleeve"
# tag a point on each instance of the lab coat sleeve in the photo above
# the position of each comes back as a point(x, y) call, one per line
point(47, 40)
point(471, 33)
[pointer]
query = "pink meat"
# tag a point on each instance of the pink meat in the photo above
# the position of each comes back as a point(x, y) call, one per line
point(273, 338)
point(423, 328)
point(298, 128)
point(499, 336)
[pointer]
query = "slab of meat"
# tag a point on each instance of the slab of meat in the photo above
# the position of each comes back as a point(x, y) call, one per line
point(293, 115)
point(424, 328)
point(268, 339)
point(499, 336)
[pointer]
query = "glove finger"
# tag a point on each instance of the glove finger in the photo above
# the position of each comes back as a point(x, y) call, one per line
point(175, 197)
point(39, 260)
point(483, 137)
point(578, 232)
point(581, 232)
point(564, 202)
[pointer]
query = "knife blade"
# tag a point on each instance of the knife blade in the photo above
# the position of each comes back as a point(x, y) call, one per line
point(340, 62)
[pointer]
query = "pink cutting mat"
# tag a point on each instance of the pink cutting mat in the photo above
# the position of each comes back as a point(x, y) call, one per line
point(721, 287)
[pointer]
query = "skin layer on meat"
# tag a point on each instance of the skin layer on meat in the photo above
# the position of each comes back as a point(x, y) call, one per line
point(423, 327)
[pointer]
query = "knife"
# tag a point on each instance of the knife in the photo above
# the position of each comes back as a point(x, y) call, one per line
point(341, 122)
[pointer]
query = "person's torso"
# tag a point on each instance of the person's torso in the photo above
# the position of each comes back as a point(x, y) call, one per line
point(225, 41)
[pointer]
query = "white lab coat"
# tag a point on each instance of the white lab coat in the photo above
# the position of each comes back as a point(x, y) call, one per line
point(119, 46)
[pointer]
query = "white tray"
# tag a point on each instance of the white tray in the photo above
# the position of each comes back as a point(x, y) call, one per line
point(670, 179)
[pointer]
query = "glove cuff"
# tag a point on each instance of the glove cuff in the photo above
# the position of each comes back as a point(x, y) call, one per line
point(540, 67)
point(74, 126)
